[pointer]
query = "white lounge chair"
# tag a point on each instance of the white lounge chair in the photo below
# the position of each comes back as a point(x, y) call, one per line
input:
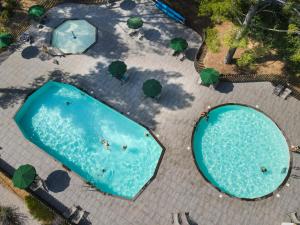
point(176, 219)
point(182, 56)
point(284, 223)
point(140, 35)
point(37, 184)
point(78, 216)
point(294, 218)
point(286, 93)
point(184, 219)
point(199, 81)
point(278, 89)
point(71, 211)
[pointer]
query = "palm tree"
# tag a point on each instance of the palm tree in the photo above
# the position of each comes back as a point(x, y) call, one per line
point(10, 216)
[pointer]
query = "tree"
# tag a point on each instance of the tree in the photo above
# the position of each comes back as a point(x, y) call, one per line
point(10, 216)
point(270, 22)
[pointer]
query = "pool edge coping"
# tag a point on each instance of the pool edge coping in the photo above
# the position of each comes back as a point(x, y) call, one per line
point(152, 178)
point(227, 194)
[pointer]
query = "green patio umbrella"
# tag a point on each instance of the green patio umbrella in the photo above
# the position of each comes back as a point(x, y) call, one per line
point(152, 88)
point(24, 176)
point(5, 40)
point(134, 22)
point(36, 11)
point(178, 44)
point(117, 69)
point(209, 76)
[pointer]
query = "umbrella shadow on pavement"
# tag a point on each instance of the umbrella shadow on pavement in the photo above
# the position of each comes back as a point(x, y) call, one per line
point(30, 52)
point(225, 87)
point(128, 5)
point(58, 181)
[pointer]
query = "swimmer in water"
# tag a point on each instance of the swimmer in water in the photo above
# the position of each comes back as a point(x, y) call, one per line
point(284, 170)
point(105, 143)
point(263, 169)
point(205, 115)
point(124, 147)
point(68, 103)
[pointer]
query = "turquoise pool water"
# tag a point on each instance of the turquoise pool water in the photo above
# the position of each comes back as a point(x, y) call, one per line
point(74, 36)
point(234, 145)
point(71, 126)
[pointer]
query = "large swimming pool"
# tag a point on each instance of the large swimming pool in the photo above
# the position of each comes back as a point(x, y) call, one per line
point(107, 149)
point(241, 151)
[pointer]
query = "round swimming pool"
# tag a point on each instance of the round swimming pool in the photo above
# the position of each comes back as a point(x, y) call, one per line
point(241, 151)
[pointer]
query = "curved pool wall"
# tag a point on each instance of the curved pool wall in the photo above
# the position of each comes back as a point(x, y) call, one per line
point(222, 163)
point(71, 126)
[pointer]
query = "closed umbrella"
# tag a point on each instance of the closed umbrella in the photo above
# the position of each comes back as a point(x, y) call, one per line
point(117, 69)
point(135, 22)
point(24, 176)
point(5, 40)
point(36, 11)
point(178, 44)
point(152, 88)
point(209, 76)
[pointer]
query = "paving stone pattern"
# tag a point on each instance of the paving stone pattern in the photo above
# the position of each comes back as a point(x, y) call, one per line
point(178, 185)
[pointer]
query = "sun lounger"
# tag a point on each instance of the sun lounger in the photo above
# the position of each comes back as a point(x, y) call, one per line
point(176, 219)
point(286, 93)
point(182, 56)
point(78, 216)
point(133, 33)
point(37, 184)
point(184, 219)
point(278, 89)
point(140, 35)
point(70, 212)
point(24, 37)
point(294, 218)
point(124, 78)
point(288, 223)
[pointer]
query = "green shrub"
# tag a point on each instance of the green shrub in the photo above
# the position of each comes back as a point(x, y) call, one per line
point(231, 42)
point(4, 16)
point(38, 210)
point(212, 40)
point(246, 60)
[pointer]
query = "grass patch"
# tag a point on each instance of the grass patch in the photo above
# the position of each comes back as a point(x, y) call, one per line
point(38, 210)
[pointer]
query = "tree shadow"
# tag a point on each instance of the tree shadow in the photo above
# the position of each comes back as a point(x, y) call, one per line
point(58, 181)
point(126, 98)
point(225, 87)
point(10, 96)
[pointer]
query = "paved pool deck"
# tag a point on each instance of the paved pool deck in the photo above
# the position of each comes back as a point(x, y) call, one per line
point(178, 186)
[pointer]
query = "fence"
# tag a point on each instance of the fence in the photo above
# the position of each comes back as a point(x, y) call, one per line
point(241, 78)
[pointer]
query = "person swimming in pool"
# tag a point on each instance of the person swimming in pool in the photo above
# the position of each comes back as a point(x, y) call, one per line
point(68, 103)
point(105, 144)
point(284, 170)
point(205, 115)
point(263, 169)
